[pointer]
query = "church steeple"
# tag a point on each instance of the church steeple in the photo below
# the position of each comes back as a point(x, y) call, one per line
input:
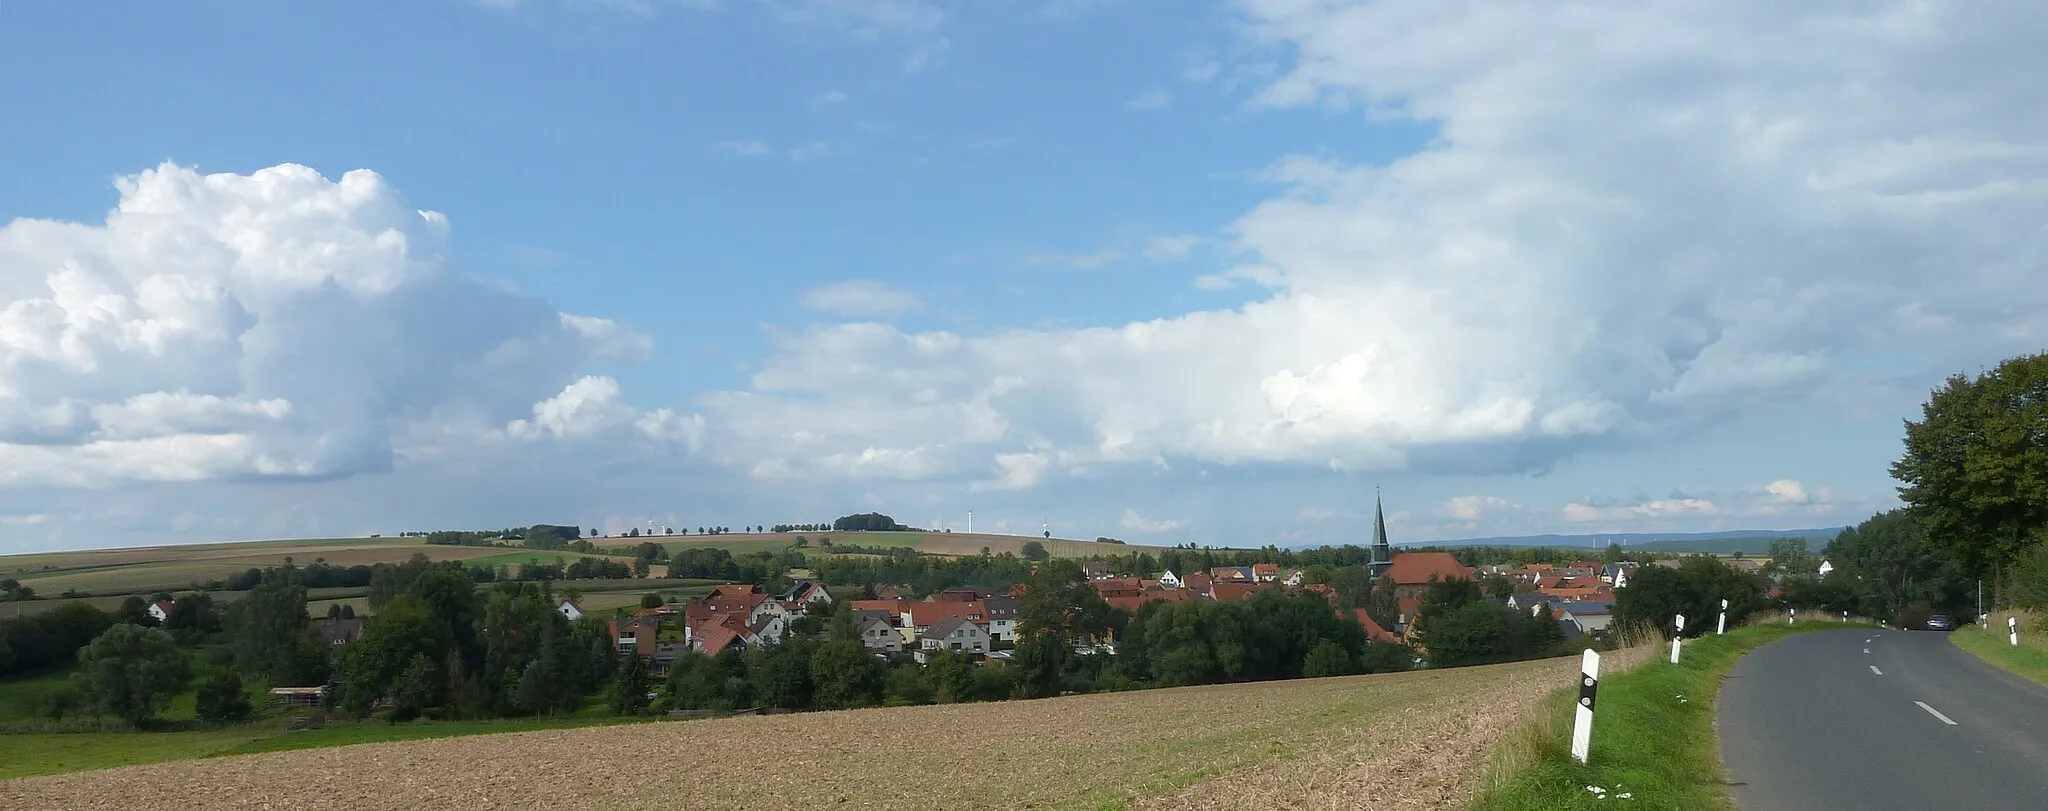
point(1382, 554)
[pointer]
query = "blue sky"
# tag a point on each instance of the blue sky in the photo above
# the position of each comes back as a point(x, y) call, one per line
point(1163, 271)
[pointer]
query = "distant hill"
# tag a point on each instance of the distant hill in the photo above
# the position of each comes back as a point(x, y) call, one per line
point(1747, 541)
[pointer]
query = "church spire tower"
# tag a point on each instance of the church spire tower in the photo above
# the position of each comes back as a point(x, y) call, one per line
point(1382, 554)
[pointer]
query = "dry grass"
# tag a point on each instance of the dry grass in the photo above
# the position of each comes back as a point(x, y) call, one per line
point(1389, 742)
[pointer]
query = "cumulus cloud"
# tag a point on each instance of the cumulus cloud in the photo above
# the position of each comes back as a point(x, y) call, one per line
point(271, 325)
point(1627, 225)
point(592, 406)
point(1470, 508)
point(861, 298)
point(1138, 523)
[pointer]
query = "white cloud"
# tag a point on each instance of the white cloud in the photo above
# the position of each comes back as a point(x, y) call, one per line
point(1546, 275)
point(1150, 100)
point(1470, 508)
point(1080, 261)
point(1787, 491)
point(1138, 523)
point(592, 406)
point(829, 98)
point(1659, 508)
point(1015, 471)
point(861, 298)
point(750, 149)
point(271, 325)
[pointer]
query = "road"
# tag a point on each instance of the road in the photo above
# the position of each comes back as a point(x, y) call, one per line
point(1861, 719)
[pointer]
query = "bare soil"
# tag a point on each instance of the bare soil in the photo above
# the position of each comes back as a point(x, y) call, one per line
point(1408, 741)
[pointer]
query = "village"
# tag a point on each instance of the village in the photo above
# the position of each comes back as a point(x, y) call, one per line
point(982, 623)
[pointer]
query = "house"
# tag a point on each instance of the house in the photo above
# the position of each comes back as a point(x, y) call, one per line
point(570, 610)
point(716, 639)
point(805, 592)
point(1745, 565)
point(1617, 574)
point(338, 631)
point(1826, 567)
point(877, 631)
point(887, 593)
point(1592, 617)
point(923, 616)
point(1412, 572)
point(1199, 584)
point(635, 635)
point(1231, 592)
point(1002, 617)
point(160, 611)
point(1231, 574)
point(1294, 579)
point(1134, 601)
point(959, 635)
point(1094, 569)
point(1265, 572)
point(959, 595)
point(1169, 580)
point(1373, 631)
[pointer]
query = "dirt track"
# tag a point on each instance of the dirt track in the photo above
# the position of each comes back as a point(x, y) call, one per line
point(1414, 741)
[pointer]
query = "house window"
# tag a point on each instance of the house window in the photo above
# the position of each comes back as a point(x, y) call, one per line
point(956, 646)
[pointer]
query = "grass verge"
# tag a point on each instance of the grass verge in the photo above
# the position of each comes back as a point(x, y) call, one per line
point(2028, 660)
point(1647, 743)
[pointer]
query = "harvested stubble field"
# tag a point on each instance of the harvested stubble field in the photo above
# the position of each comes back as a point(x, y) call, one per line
point(1409, 741)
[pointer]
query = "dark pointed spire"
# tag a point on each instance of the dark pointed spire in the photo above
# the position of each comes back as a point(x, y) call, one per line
point(1382, 554)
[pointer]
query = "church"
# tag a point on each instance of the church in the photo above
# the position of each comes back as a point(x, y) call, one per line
point(1409, 572)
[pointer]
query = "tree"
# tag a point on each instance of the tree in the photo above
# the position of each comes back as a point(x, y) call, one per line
point(629, 687)
point(271, 640)
point(221, 699)
point(1327, 658)
point(1889, 562)
point(1975, 467)
point(1695, 589)
point(1614, 554)
point(192, 613)
point(131, 672)
point(1034, 550)
point(135, 611)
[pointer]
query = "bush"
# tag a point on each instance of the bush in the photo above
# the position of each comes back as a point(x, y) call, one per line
point(1913, 616)
point(1034, 550)
point(221, 699)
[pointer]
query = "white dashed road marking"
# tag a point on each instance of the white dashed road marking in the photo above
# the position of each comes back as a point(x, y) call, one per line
point(1873, 669)
point(1936, 713)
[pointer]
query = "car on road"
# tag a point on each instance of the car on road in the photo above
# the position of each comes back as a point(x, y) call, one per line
point(1940, 622)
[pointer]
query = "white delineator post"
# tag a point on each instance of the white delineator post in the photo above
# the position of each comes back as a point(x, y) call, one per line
point(1789, 614)
point(1582, 725)
point(2012, 628)
point(1676, 637)
point(1721, 625)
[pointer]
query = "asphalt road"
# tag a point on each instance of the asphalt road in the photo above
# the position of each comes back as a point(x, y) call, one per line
point(1860, 719)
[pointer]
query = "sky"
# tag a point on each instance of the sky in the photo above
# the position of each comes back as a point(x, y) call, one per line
point(1169, 272)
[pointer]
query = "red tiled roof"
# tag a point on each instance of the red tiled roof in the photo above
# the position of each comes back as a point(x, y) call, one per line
point(1373, 631)
point(1238, 591)
point(926, 614)
point(1133, 602)
point(1197, 581)
point(714, 638)
point(1407, 606)
point(1263, 569)
point(893, 607)
point(1417, 568)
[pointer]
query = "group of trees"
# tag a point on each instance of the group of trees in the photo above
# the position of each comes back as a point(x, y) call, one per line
point(12, 589)
point(867, 522)
point(1974, 481)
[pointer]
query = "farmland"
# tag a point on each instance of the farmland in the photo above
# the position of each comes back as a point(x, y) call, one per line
point(1414, 740)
